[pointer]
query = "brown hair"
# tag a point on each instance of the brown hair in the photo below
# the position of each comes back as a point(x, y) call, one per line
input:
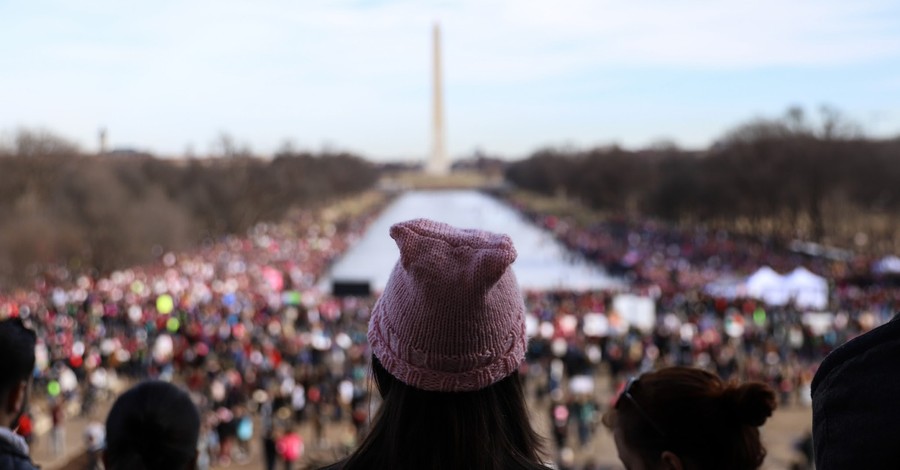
point(693, 413)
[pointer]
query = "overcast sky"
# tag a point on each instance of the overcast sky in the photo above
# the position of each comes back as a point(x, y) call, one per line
point(168, 75)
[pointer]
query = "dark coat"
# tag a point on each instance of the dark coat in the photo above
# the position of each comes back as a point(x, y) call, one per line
point(856, 403)
point(13, 459)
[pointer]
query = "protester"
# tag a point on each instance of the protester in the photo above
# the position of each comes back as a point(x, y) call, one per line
point(94, 441)
point(687, 418)
point(448, 337)
point(855, 403)
point(247, 314)
point(16, 368)
point(270, 449)
point(289, 447)
point(58, 429)
point(153, 426)
point(244, 430)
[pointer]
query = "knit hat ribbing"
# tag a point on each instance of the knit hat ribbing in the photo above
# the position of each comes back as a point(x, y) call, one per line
point(452, 317)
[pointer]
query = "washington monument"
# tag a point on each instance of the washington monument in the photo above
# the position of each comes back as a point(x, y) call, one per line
point(438, 164)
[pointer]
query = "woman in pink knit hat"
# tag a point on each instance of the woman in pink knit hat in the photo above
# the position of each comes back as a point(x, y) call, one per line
point(448, 337)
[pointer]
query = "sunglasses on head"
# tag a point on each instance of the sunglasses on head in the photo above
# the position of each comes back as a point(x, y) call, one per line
point(626, 393)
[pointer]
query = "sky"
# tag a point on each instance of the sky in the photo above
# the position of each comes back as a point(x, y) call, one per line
point(170, 77)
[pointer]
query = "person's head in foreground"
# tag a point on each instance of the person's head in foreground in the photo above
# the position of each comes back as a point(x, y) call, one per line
point(154, 425)
point(448, 337)
point(16, 368)
point(17, 344)
point(682, 418)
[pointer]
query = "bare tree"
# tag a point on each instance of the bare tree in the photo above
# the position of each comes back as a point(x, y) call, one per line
point(33, 143)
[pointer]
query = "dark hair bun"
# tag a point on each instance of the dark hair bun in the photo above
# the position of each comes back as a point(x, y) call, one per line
point(752, 402)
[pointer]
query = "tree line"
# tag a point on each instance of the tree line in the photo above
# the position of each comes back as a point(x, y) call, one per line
point(791, 176)
point(59, 206)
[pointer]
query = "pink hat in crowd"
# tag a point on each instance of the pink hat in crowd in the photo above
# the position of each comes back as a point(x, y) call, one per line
point(452, 317)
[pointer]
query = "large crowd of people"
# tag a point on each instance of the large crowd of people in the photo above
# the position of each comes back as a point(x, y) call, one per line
point(239, 322)
point(244, 325)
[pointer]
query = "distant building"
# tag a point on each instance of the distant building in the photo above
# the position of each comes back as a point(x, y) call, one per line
point(438, 163)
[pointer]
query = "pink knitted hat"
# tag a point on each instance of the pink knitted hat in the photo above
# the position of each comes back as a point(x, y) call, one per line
point(451, 317)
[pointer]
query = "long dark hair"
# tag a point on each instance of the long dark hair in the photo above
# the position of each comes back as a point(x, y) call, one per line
point(486, 429)
point(696, 415)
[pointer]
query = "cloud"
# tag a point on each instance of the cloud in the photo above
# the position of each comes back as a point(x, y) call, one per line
point(485, 39)
point(329, 70)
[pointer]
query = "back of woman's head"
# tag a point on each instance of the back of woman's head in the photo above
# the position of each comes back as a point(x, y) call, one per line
point(483, 429)
point(692, 413)
point(152, 426)
point(447, 338)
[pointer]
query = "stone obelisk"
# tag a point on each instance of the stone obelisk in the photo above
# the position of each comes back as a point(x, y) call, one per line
point(438, 164)
point(101, 137)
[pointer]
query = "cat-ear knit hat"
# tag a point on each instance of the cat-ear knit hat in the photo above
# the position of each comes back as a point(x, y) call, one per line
point(452, 317)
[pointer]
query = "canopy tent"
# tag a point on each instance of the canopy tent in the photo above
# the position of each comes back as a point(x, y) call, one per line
point(887, 265)
point(769, 286)
point(805, 289)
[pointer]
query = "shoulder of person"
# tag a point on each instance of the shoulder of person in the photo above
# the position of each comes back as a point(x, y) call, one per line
point(7, 449)
point(334, 466)
point(13, 460)
point(854, 399)
point(857, 351)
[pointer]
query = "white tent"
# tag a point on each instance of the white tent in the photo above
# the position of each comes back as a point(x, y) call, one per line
point(887, 265)
point(807, 289)
point(769, 286)
point(636, 311)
